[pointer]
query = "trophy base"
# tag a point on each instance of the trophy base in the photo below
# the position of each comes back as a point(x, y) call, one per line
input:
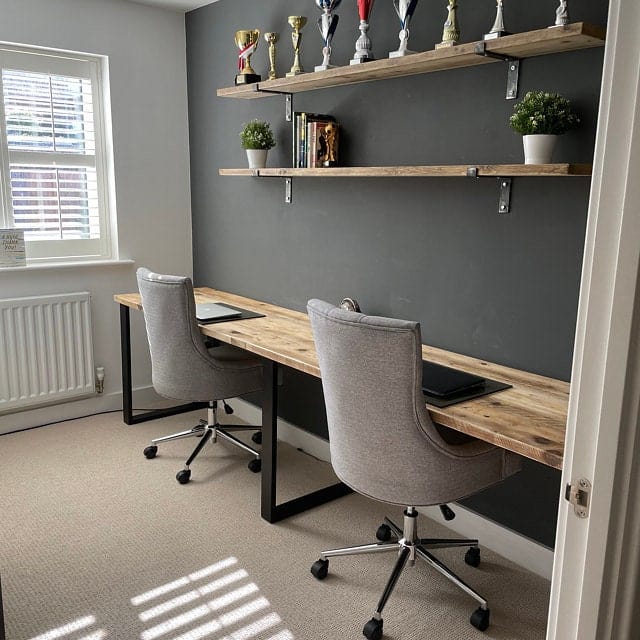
point(329, 163)
point(401, 54)
point(293, 74)
point(248, 78)
point(362, 60)
point(324, 67)
point(495, 34)
point(446, 45)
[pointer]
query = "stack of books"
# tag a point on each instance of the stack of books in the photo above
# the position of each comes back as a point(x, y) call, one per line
point(309, 141)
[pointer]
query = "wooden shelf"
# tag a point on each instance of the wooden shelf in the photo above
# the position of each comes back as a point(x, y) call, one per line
point(579, 35)
point(420, 171)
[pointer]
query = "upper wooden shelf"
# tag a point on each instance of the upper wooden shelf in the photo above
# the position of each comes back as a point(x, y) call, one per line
point(579, 35)
point(447, 170)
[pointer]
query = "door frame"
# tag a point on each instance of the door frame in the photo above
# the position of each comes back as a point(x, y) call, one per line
point(596, 569)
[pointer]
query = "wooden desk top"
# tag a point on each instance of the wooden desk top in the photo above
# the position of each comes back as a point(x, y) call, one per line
point(529, 418)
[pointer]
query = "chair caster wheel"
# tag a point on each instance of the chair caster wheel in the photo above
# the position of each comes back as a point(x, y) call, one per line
point(150, 452)
point(384, 533)
point(183, 476)
point(480, 618)
point(320, 568)
point(257, 437)
point(255, 465)
point(373, 629)
point(472, 557)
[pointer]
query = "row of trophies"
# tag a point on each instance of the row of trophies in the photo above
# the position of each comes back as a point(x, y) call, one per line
point(247, 40)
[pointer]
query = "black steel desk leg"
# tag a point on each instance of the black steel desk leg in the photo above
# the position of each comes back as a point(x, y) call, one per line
point(125, 354)
point(271, 511)
point(269, 439)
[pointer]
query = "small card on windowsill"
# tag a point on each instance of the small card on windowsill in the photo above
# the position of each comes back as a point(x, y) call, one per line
point(12, 250)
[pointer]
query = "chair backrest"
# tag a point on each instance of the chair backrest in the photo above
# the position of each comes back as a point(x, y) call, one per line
point(180, 362)
point(382, 440)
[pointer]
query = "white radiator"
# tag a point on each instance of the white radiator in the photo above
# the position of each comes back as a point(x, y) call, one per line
point(46, 351)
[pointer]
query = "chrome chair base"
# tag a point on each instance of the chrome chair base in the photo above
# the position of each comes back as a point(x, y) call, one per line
point(406, 543)
point(210, 429)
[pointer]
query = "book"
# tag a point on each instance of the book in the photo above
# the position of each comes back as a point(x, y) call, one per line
point(301, 120)
point(316, 143)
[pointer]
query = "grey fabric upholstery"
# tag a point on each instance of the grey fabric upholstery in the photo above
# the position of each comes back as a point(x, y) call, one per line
point(382, 440)
point(182, 366)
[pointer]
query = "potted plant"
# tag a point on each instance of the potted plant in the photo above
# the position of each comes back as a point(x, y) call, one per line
point(540, 117)
point(257, 138)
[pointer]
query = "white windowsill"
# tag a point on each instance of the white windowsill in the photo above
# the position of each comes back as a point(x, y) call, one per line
point(68, 265)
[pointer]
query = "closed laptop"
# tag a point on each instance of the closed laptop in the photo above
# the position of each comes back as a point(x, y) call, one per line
point(208, 311)
point(441, 381)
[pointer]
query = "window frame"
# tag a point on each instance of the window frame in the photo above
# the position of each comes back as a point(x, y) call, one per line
point(69, 64)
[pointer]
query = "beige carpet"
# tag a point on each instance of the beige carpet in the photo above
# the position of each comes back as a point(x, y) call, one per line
point(98, 542)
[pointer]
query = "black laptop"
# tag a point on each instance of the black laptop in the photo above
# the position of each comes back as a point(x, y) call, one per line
point(444, 382)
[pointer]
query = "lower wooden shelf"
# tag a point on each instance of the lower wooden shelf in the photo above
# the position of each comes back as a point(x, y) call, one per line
point(418, 171)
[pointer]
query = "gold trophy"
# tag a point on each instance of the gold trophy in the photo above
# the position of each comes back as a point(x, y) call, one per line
point(297, 23)
point(247, 41)
point(451, 31)
point(271, 37)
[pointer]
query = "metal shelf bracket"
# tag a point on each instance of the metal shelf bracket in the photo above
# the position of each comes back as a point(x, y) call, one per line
point(288, 100)
point(513, 68)
point(287, 190)
point(504, 202)
point(504, 184)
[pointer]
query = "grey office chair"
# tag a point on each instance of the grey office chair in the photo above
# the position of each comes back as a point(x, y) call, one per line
point(184, 367)
point(385, 446)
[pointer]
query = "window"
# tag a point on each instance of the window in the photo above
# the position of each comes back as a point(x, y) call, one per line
point(53, 154)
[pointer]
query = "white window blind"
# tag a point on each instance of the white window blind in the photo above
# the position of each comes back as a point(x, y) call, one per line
point(53, 153)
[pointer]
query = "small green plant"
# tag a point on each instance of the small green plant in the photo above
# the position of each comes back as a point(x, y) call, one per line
point(543, 112)
point(257, 134)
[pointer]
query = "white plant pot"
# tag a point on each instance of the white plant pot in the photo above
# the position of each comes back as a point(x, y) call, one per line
point(257, 158)
point(538, 148)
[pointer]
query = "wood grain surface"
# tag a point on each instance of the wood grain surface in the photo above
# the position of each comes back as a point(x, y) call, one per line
point(528, 419)
point(417, 171)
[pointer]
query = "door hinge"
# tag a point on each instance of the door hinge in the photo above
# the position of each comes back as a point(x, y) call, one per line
point(578, 493)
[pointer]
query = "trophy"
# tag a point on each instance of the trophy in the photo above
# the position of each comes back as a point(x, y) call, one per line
point(404, 9)
point(247, 41)
point(451, 31)
point(297, 23)
point(562, 14)
point(271, 37)
point(327, 24)
point(497, 30)
point(363, 43)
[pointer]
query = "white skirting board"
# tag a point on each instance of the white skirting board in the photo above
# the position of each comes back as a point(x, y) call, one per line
point(521, 550)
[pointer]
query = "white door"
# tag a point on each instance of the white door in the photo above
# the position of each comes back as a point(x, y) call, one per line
point(595, 576)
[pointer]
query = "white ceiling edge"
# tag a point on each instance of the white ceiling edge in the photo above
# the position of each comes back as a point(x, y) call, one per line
point(176, 5)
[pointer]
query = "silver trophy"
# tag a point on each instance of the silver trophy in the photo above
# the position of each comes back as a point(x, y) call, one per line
point(562, 14)
point(498, 30)
point(363, 43)
point(404, 9)
point(327, 24)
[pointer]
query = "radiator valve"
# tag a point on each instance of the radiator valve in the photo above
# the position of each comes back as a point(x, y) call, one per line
point(99, 379)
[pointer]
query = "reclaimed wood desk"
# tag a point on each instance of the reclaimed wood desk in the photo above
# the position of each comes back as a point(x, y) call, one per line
point(528, 419)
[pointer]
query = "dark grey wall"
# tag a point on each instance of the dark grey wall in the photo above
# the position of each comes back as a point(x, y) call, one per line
point(503, 288)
